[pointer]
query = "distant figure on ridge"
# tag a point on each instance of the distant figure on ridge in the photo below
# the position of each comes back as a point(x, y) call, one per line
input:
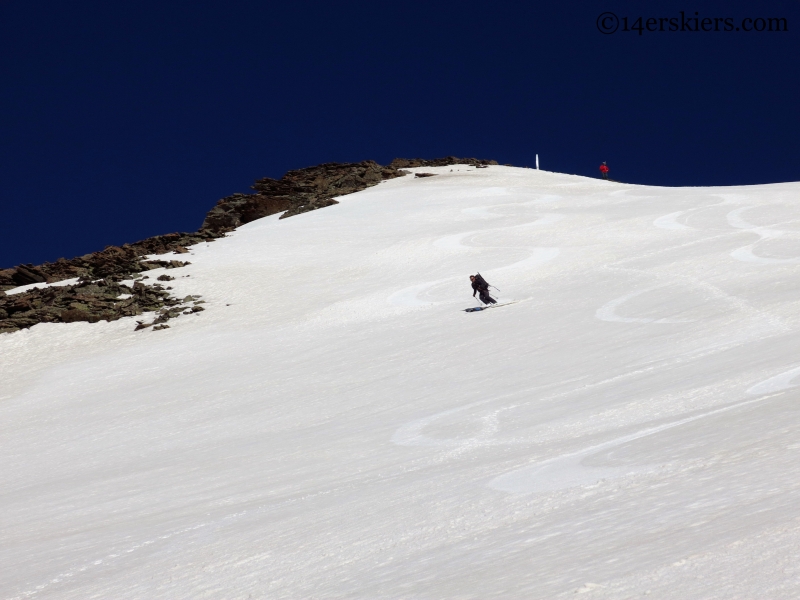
point(481, 287)
point(604, 170)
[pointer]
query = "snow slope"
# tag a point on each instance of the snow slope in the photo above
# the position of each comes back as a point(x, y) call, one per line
point(333, 426)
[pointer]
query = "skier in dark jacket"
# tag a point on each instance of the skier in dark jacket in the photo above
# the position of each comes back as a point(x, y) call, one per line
point(480, 287)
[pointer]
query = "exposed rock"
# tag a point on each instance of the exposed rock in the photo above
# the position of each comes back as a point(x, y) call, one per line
point(296, 192)
point(313, 188)
point(410, 163)
point(96, 296)
point(72, 315)
point(424, 174)
point(88, 301)
point(119, 262)
point(27, 274)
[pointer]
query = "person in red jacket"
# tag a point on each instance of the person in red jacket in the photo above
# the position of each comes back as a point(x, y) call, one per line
point(604, 170)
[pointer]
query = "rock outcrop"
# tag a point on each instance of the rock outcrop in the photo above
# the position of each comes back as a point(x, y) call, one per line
point(116, 262)
point(410, 163)
point(90, 301)
point(95, 297)
point(296, 192)
point(312, 188)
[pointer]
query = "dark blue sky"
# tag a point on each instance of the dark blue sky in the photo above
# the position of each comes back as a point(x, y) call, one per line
point(126, 120)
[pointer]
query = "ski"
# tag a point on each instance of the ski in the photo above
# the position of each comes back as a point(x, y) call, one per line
point(480, 308)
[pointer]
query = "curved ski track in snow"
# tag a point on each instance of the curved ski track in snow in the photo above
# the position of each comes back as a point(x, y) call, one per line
point(485, 212)
point(670, 221)
point(455, 242)
point(735, 220)
point(263, 468)
point(568, 470)
point(607, 312)
point(778, 383)
point(746, 253)
point(409, 296)
point(411, 434)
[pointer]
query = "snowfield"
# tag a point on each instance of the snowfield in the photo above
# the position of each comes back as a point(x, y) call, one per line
point(334, 426)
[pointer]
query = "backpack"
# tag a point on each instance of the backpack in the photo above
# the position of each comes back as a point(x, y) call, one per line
point(481, 282)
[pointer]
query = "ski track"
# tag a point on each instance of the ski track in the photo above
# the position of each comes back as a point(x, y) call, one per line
point(409, 296)
point(670, 221)
point(455, 242)
point(481, 422)
point(550, 475)
point(746, 253)
point(412, 433)
point(481, 212)
point(485, 212)
point(776, 384)
point(568, 470)
point(607, 312)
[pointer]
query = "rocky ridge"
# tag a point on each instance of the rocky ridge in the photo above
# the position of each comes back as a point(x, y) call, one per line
point(100, 293)
point(92, 301)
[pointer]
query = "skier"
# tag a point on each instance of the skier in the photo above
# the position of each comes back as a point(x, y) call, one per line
point(604, 170)
point(480, 287)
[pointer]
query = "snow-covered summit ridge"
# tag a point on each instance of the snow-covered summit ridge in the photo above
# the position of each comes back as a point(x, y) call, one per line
point(334, 426)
